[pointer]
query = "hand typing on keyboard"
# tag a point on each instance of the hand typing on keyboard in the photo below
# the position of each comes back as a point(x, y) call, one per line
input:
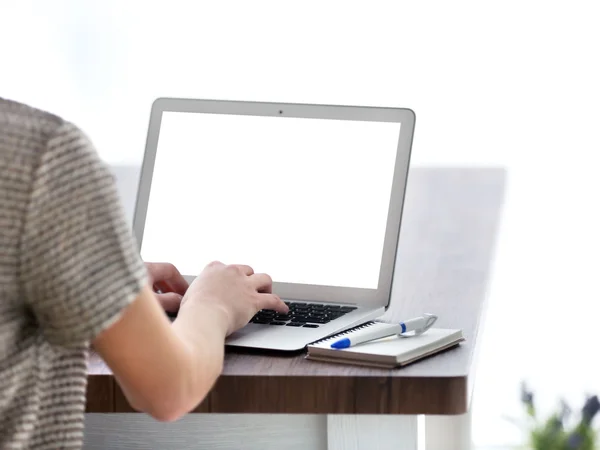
point(234, 292)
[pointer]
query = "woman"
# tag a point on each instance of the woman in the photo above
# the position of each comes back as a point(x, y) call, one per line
point(71, 278)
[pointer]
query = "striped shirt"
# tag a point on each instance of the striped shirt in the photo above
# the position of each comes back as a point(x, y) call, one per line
point(68, 267)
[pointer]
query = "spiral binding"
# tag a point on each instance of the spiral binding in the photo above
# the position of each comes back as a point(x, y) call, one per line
point(348, 331)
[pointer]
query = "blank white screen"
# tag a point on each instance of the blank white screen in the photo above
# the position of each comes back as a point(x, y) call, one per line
point(304, 200)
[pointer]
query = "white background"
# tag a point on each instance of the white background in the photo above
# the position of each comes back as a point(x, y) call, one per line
point(303, 200)
point(511, 83)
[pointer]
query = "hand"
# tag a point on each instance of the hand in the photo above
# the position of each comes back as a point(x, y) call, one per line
point(234, 290)
point(165, 277)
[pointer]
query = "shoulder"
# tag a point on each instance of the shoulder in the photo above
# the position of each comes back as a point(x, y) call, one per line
point(39, 136)
point(25, 118)
point(25, 131)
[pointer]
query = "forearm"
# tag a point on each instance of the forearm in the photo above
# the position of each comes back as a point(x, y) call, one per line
point(164, 369)
point(202, 330)
point(192, 367)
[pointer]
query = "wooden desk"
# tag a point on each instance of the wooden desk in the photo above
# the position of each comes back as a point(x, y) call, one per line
point(447, 241)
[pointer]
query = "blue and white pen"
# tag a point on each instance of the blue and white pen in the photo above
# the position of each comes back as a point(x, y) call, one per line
point(380, 330)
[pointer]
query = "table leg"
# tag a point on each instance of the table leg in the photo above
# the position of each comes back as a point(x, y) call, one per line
point(448, 432)
point(372, 432)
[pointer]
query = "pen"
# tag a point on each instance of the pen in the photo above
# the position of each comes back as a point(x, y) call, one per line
point(419, 325)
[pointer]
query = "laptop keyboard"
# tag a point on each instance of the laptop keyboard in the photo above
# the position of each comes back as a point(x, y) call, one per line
point(307, 315)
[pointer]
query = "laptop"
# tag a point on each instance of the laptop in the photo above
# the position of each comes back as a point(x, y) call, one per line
point(310, 194)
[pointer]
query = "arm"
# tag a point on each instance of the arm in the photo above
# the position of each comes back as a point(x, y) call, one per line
point(84, 282)
point(164, 370)
point(167, 370)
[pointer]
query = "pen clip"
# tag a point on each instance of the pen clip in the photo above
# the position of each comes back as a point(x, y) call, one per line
point(431, 318)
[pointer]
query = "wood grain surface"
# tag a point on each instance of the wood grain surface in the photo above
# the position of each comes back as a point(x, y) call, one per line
point(447, 244)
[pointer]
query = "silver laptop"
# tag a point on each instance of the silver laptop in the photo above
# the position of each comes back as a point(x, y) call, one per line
point(310, 194)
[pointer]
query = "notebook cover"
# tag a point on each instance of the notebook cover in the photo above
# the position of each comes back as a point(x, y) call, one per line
point(393, 351)
point(380, 365)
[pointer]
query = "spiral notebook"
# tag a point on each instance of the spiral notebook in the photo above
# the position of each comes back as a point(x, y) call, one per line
point(388, 352)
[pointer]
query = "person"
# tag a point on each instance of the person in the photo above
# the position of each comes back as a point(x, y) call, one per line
point(71, 279)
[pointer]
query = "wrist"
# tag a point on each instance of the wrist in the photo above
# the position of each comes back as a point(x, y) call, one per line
point(209, 313)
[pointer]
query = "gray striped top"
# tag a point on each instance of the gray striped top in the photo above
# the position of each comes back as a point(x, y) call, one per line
point(68, 267)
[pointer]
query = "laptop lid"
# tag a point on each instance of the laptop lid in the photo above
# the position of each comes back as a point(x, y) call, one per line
point(310, 194)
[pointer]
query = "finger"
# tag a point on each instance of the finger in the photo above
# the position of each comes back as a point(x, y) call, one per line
point(215, 264)
point(167, 278)
point(245, 269)
point(272, 301)
point(170, 302)
point(262, 282)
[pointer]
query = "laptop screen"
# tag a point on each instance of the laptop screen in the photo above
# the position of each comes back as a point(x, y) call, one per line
point(304, 200)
